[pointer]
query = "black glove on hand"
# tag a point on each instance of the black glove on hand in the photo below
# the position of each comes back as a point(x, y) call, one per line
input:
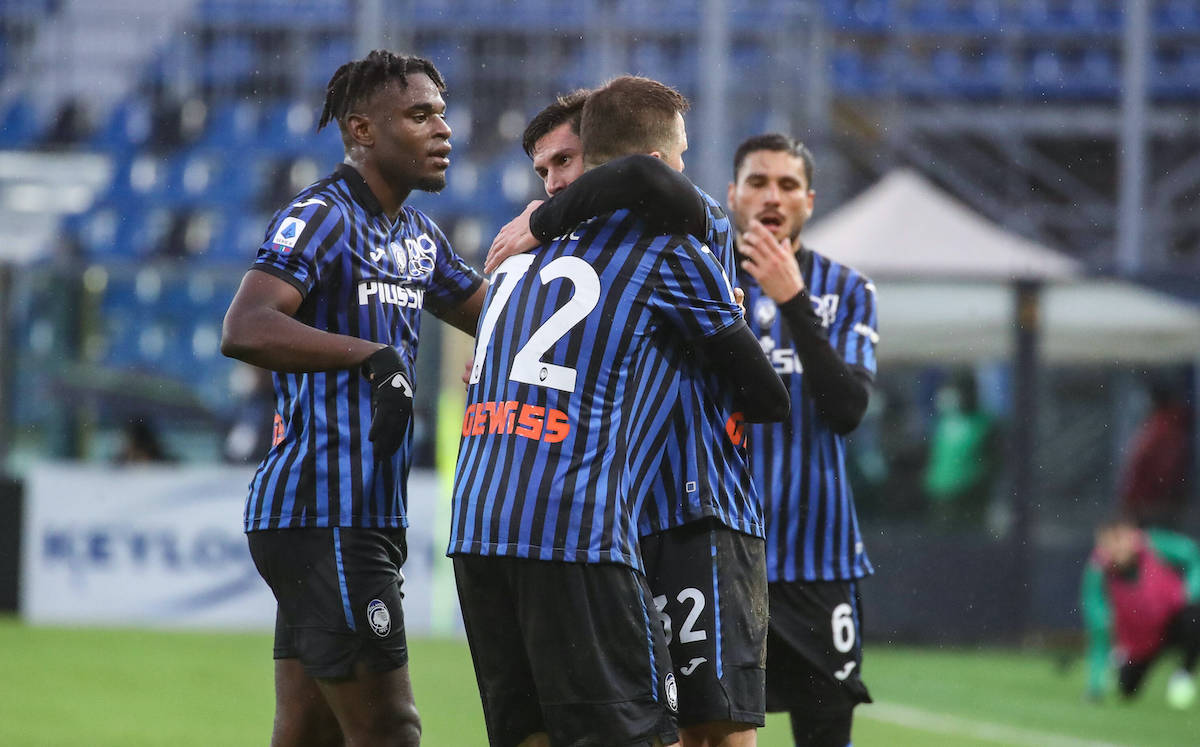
point(391, 400)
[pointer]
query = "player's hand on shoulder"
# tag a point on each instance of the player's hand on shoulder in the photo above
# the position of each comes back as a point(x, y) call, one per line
point(771, 262)
point(391, 400)
point(466, 374)
point(514, 238)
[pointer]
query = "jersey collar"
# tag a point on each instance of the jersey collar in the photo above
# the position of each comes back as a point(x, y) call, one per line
point(358, 188)
point(805, 257)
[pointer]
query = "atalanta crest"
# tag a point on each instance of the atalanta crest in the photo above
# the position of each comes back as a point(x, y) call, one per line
point(379, 618)
point(765, 312)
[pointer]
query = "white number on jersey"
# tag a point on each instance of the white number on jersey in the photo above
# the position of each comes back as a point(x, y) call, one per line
point(528, 366)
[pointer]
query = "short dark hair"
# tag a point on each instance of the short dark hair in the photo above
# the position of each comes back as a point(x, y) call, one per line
point(566, 108)
point(356, 81)
point(778, 142)
point(1115, 521)
point(628, 115)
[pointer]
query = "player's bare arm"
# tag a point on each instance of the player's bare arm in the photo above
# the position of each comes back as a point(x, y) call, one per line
point(260, 328)
point(772, 262)
point(465, 316)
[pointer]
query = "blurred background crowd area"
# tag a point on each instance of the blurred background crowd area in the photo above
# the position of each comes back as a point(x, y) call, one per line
point(144, 145)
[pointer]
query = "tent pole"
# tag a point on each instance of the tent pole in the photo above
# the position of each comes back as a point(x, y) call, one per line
point(1021, 445)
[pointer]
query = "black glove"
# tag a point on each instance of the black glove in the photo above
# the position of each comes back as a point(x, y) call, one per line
point(391, 400)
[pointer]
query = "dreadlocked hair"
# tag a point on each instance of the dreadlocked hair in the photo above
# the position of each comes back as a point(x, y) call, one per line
point(358, 80)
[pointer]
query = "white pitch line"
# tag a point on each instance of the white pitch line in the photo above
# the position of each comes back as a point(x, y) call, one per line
point(941, 723)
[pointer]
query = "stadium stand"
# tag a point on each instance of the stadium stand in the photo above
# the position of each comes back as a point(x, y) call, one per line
point(214, 127)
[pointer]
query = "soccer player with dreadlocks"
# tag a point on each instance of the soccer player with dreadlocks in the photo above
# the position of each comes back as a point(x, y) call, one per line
point(332, 305)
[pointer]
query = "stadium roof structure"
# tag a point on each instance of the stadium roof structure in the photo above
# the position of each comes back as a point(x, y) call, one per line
point(945, 277)
point(905, 227)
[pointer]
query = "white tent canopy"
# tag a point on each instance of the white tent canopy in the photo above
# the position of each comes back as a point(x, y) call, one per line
point(944, 276)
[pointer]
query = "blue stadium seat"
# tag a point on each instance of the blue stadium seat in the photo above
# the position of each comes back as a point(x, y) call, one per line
point(19, 125)
point(232, 124)
point(1176, 74)
point(856, 75)
point(956, 15)
point(127, 127)
point(860, 15)
point(1072, 16)
point(276, 14)
point(1045, 75)
point(1098, 74)
point(325, 60)
point(1176, 16)
point(229, 62)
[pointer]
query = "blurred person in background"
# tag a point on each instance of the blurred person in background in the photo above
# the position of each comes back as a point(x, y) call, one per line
point(1155, 477)
point(1140, 592)
point(816, 319)
point(141, 443)
point(252, 429)
point(962, 456)
point(332, 305)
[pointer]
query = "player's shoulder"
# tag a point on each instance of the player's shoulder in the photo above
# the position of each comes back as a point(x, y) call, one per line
point(317, 202)
point(317, 210)
point(418, 219)
point(831, 268)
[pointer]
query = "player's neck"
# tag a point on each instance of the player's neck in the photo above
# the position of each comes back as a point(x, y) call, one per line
point(389, 197)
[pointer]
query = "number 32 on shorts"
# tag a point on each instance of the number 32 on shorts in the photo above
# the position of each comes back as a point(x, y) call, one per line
point(687, 633)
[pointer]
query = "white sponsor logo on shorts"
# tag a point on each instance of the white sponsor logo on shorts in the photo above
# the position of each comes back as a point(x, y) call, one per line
point(379, 618)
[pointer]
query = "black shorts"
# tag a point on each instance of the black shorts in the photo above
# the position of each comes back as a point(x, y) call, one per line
point(339, 593)
point(570, 649)
point(814, 648)
point(710, 587)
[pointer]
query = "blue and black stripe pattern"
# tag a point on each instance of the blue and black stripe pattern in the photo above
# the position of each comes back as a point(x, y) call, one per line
point(704, 471)
point(570, 355)
point(800, 464)
point(361, 275)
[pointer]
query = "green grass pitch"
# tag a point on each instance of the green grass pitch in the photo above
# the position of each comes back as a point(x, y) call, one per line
point(64, 686)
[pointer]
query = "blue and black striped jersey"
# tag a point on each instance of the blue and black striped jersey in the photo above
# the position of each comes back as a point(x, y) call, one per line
point(567, 359)
point(363, 275)
point(704, 469)
point(800, 465)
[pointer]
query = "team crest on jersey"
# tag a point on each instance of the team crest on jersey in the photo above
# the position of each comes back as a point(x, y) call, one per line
point(422, 256)
point(765, 311)
point(379, 618)
point(672, 692)
point(399, 255)
point(288, 233)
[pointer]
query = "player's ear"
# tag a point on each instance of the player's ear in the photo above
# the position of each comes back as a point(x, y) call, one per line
point(729, 197)
point(657, 154)
point(359, 129)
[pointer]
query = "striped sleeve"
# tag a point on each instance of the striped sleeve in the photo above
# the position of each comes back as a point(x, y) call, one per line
point(854, 332)
point(691, 290)
point(453, 279)
point(299, 240)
